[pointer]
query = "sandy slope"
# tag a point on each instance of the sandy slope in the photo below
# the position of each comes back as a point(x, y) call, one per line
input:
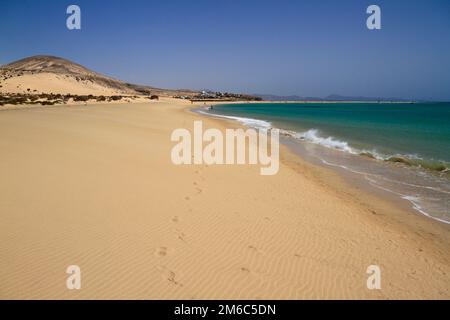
point(53, 83)
point(94, 186)
point(50, 74)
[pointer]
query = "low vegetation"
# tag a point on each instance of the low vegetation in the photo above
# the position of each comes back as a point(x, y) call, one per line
point(52, 99)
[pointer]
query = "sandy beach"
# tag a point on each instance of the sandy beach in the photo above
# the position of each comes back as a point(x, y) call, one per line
point(94, 186)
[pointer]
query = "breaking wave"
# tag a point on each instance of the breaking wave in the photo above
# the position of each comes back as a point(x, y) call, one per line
point(426, 196)
point(314, 136)
point(250, 122)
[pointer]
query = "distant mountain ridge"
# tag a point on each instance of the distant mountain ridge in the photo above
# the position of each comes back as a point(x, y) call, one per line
point(331, 97)
point(51, 74)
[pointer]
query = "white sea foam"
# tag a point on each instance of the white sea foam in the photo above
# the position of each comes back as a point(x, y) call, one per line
point(316, 137)
point(254, 123)
point(414, 200)
point(313, 136)
point(415, 204)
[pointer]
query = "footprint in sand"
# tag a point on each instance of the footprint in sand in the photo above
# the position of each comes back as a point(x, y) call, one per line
point(243, 269)
point(180, 235)
point(187, 198)
point(255, 249)
point(169, 275)
point(175, 219)
point(197, 189)
point(171, 278)
point(161, 252)
point(198, 172)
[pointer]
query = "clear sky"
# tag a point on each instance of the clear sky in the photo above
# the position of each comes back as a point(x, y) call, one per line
point(308, 48)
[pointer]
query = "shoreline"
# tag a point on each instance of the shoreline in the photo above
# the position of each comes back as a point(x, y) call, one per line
point(336, 179)
point(217, 101)
point(94, 186)
point(348, 178)
point(403, 201)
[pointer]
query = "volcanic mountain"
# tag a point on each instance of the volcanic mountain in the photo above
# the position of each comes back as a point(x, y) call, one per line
point(49, 74)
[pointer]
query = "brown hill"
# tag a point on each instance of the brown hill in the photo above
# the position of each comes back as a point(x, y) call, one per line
point(49, 74)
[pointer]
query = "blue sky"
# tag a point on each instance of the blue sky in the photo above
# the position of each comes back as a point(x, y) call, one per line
point(308, 48)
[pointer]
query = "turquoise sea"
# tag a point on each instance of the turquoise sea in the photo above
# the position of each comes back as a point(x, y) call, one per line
point(402, 148)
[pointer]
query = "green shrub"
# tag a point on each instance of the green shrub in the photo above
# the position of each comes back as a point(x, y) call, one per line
point(47, 103)
point(81, 98)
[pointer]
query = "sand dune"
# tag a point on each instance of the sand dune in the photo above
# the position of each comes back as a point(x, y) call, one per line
point(54, 83)
point(94, 186)
point(49, 74)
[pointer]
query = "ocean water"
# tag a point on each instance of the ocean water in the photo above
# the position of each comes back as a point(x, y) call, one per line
point(401, 148)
